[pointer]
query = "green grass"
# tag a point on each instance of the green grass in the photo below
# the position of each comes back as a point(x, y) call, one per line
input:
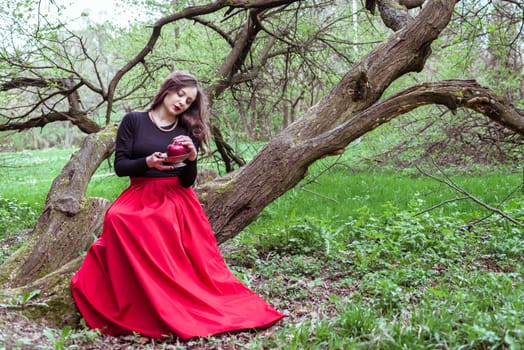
point(393, 280)
point(377, 270)
point(339, 193)
point(28, 176)
point(354, 257)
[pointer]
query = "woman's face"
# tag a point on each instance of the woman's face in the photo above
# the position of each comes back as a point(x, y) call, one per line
point(177, 102)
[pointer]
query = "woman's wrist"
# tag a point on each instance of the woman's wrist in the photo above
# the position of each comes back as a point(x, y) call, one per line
point(149, 161)
point(192, 157)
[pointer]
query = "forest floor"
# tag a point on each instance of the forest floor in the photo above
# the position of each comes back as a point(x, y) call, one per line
point(20, 333)
point(17, 332)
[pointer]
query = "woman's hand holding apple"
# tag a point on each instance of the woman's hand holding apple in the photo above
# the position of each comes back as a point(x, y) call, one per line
point(188, 144)
point(181, 145)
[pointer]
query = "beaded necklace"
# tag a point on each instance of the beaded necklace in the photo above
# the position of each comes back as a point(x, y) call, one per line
point(162, 128)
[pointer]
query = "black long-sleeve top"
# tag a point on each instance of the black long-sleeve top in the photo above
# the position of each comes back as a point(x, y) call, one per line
point(137, 138)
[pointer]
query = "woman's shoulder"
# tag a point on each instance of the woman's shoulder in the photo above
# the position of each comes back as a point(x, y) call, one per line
point(135, 115)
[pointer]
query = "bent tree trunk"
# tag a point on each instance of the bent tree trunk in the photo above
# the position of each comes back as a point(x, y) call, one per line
point(69, 220)
point(65, 229)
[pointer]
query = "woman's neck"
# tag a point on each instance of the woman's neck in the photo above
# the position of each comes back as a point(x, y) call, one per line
point(161, 118)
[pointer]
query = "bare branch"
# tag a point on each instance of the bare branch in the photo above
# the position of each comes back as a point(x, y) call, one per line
point(509, 195)
point(187, 13)
point(438, 205)
point(449, 182)
point(34, 123)
point(215, 28)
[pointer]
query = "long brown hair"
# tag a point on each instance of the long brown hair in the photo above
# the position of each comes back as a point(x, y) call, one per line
point(194, 118)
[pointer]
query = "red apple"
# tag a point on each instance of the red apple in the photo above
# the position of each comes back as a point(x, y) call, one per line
point(174, 150)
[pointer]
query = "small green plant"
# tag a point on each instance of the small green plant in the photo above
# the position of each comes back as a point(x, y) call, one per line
point(83, 335)
point(59, 339)
point(26, 299)
point(69, 338)
point(308, 235)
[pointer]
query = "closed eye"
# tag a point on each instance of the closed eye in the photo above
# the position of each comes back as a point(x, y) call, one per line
point(181, 93)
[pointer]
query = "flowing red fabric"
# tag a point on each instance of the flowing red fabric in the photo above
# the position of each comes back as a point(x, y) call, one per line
point(156, 270)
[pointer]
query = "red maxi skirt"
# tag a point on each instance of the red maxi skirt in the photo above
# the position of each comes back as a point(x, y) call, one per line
point(156, 270)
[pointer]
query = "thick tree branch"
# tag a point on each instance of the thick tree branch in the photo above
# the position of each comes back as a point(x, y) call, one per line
point(23, 82)
point(80, 120)
point(394, 14)
point(450, 93)
point(60, 87)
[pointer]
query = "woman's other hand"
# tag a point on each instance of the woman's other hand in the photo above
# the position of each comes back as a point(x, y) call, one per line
point(156, 160)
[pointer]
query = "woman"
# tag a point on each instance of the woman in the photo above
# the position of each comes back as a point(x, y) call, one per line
point(156, 269)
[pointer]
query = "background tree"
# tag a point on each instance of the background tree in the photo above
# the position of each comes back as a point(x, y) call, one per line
point(465, 50)
point(357, 103)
